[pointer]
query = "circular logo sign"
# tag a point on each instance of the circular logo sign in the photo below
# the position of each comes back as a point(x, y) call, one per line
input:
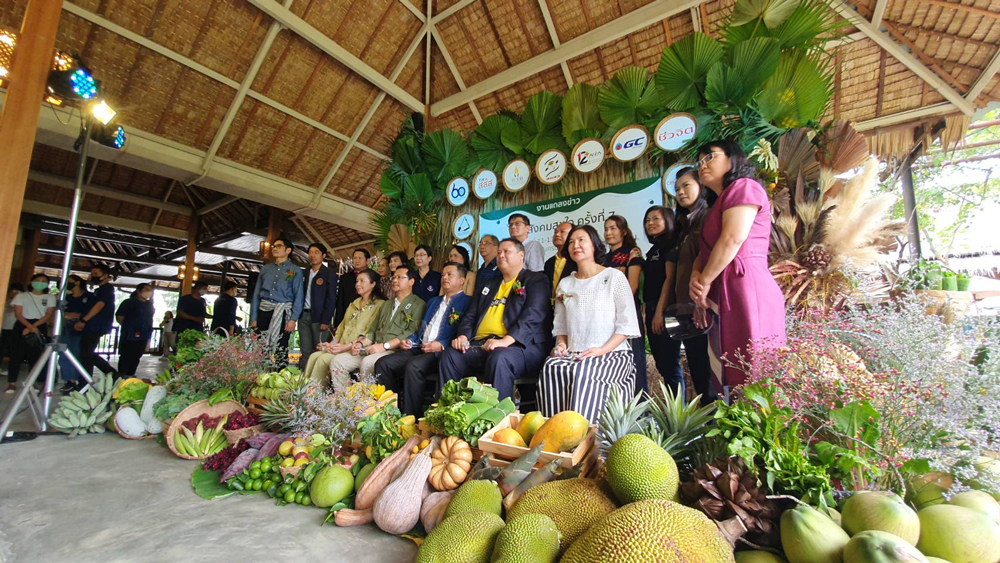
point(464, 226)
point(670, 176)
point(551, 166)
point(588, 155)
point(516, 175)
point(675, 130)
point(457, 191)
point(629, 143)
point(484, 183)
point(468, 248)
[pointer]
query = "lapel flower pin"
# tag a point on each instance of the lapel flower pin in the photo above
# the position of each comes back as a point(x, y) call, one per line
point(289, 274)
point(408, 317)
point(518, 288)
point(453, 316)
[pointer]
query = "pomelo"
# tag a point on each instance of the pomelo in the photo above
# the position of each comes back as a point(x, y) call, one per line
point(885, 511)
point(331, 485)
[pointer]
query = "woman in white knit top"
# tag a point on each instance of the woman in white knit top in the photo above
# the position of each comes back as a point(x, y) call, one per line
point(594, 318)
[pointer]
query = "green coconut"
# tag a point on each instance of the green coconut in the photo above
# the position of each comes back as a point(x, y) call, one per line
point(808, 536)
point(875, 546)
point(885, 511)
point(758, 557)
point(978, 500)
point(958, 534)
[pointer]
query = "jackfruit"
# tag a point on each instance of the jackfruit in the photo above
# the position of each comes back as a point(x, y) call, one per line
point(639, 469)
point(652, 530)
point(464, 538)
point(475, 495)
point(573, 504)
point(527, 538)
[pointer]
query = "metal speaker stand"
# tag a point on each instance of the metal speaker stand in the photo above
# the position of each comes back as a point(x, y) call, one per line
point(56, 349)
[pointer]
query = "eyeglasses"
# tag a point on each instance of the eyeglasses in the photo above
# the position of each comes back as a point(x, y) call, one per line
point(400, 278)
point(486, 243)
point(278, 245)
point(517, 223)
point(709, 157)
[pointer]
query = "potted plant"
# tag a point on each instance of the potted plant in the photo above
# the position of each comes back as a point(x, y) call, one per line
point(949, 282)
point(962, 281)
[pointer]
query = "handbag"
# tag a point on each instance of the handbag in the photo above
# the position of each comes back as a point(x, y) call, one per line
point(35, 342)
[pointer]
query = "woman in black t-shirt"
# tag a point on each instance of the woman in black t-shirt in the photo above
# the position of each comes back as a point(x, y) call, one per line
point(657, 293)
point(626, 256)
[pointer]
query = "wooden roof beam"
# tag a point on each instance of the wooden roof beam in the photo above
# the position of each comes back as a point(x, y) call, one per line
point(413, 10)
point(845, 40)
point(331, 48)
point(217, 204)
point(307, 229)
point(984, 79)
point(962, 8)
point(554, 35)
point(454, 71)
point(101, 219)
point(201, 69)
point(896, 50)
point(611, 31)
point(879, 12)
point(69, 184)
point(451, 10)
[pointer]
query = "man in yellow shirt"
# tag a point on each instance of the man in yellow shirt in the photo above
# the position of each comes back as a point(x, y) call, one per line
point(502, 336)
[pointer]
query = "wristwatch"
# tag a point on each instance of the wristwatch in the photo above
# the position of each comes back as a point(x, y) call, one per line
point(385, 345)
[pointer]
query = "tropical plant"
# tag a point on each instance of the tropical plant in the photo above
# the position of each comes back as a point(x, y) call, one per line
point(541, 129)
point(487, 141)
point(581, 117)
point(629, 97)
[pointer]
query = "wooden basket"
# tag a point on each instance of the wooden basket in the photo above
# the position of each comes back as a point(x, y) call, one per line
point(197, 409)
point(233, 436)
point(256, 405)
point(506, 451)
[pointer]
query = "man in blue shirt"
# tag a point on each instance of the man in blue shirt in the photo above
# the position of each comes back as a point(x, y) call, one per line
point(417, 358)
point(428, 283)
point(319, 303)
point(97, 322)
point(192, 309)
point(135, 316)
point(277, 299)
point(488, 247)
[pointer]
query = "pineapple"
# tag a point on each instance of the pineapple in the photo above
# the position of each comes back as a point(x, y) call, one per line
point(620, 417)
point(677, 425)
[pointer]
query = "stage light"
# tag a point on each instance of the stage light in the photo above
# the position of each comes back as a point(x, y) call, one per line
point(71, 80)
point(111, 136)
point(103, 112)
point(265, 246)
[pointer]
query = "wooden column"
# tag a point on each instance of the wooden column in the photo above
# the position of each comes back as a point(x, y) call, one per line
point(192, 247)
point(29, 255)
point(273, 230)
point(29, 70)
point(910, 205)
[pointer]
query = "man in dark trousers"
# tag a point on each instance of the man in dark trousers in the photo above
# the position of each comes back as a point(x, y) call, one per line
point(346, 294)
point(135, 316)
point(417, 358)
point(277, 299)
point(319, 303)
point(192, 309)
point(97, 322)
point(488, 247)
point(224, 310)
point(502, 335)
point(559, 266)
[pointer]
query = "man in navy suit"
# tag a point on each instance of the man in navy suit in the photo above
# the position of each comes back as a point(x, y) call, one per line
point(418, 356)
point(502, 336)
point(319, 304)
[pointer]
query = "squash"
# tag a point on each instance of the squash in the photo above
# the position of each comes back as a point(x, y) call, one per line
point(397, 509)
point(451, 463)
point(381, 476)
point(432, 511)
point(350, 517)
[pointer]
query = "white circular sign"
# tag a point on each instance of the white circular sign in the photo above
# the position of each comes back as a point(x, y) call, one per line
point(629, 143)
point(484, 183)
point(458, 191)
point(468, 249)
point(670, 176)
point(675, 130)
point(551, 166)
point(464, 226)
point(588, 155)
point(516, 175)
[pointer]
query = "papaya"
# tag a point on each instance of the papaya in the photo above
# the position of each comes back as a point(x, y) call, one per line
point(510, 437)
point(561, 433)
point(529, 425)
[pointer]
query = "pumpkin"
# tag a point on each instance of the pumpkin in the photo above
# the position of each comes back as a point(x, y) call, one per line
point(450, 464)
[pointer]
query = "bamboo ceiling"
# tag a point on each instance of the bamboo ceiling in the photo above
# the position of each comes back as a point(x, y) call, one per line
point(339, 76)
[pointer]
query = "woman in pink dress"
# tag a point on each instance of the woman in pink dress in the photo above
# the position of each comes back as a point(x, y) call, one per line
point(731, 275)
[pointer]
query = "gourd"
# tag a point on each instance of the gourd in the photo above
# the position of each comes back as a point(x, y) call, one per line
point(397, 509)
point(128, 421)
point(432, 511)
point(450, 464)
point(350, 517)
point(381, 476)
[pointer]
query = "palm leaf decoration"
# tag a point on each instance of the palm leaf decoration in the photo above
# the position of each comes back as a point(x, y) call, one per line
point(406, 157)
point(797, 93)
point(771, 12)
point(684, 66)
point(754, 60)
point(724, 88)
point(446, 154)
point(629, 97)
point(809, 27)
point(418, 190)
point(487, 141)
point(541, 127)
point(391, 184)
point(581, 117)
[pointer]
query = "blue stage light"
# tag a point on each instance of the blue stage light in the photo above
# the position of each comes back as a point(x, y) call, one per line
point(83, 84)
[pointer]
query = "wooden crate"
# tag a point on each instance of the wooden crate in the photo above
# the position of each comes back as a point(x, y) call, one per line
point(591, 461)
point(505, 451)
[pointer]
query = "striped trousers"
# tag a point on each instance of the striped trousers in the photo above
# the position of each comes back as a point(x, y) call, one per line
point(584, 385)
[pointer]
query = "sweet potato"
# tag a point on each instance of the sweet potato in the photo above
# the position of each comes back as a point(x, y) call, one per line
point(239, 464)
point(382, 475)
point(433, 508)
point(271, 447)
point(258, 440)
point(352, 517)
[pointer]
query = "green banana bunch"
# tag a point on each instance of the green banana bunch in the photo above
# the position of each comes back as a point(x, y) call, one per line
point(79, 413)
point(200, 443)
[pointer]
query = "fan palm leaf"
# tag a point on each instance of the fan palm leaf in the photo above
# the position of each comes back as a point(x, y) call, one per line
point(809, 26)
point(771, 13)
point(842, 148)
point(797, 93)
point(581, 114)
point(684, 66)
point(723, 88)
point(391, 185)
point(446, 154)
point(540, 123)
point(754, 60)
point(629, 97)
point(418, 190)
point(487, 141)
point(406, 157)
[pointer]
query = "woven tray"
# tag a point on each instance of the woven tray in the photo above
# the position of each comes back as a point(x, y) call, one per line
point(256, 405)
point(233, 436)
point(197, 409)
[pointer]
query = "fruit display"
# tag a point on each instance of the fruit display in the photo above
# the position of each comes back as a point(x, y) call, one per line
point(200, 436)
point(528, 537)
point(467, 409)
point(239, 421)
point(883, 511)
point(80, 413)
point(469, 536)
point(573, 504)
point(450, 464)
point(638, 469)
point(561, 433)
point(296, 452)
point(271, 385)
point(475, 496)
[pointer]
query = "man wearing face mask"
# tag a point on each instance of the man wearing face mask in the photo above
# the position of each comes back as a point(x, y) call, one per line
point(192, 309)
point(97, 322)
point(135, 315)
point(278, 298)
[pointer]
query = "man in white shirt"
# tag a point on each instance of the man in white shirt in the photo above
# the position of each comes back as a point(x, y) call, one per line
point(519, 227)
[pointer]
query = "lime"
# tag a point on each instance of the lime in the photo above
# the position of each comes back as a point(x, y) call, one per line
point(299, 496)
point(267, 484)
point(265, 465)
point(255, 465)
point(284, 489)
point(300, 486)
point(306, 501)
point(257, 485)
point(290, 497)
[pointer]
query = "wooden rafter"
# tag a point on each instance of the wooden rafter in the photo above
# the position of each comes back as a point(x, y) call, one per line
point(454, 70)
point(413, 10)
point(924, 57)
point(962, 8)
point(880, 93)
point(879, 12)
point(987, 75)
point(110, 193)
point(451, 10)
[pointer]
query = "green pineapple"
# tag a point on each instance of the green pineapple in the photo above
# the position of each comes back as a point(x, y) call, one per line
point(620, 417)
point(677, 426)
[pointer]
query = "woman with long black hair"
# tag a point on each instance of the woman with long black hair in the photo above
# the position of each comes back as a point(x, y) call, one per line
point(625, 256)
point(657, 293)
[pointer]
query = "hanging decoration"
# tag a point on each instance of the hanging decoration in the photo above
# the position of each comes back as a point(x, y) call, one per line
point(484, 183)
point(588, 155)
point(458, 191)
point(516, 175)
point(675, 131)
point(551, 167)
point(630, 143)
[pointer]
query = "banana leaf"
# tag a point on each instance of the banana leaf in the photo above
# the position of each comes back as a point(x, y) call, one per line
point(541, 126)
point(473, 411)
point(488, 420)
point(581, 114)
point(478, 392)
point(206, 484)
point(487, 141)
point(797, 93)
point(684, 66)
point(445, 153)
point(629, 97)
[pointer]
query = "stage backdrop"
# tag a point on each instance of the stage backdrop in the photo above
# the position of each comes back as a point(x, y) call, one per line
point(589, 208)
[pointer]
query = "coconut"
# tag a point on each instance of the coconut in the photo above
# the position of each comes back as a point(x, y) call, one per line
point(874, 546)
point(978, 500)
point(128, 421)
point(883, 511)
point(807, 536)
point(928, 489)
point(958, 535)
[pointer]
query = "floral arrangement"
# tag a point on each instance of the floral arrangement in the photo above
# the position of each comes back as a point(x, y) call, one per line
point(334, 414)
point(517, 288)
point(227, 363)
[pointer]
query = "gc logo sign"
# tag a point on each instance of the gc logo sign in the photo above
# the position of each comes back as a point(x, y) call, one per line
point(630, 143)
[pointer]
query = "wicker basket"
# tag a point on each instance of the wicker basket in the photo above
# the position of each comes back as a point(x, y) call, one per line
point(233, 436)
point(256, 405)
point(197, 409)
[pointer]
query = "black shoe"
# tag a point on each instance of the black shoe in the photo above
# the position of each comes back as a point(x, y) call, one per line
point(68, 388)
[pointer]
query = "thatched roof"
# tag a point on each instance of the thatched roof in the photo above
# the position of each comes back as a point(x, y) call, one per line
point(294, 107)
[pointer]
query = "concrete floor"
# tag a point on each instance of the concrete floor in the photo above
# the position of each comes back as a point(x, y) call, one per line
point(104, 499)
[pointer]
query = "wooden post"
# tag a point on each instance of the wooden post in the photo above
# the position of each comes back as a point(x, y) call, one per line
point(192, 247)
point(29, 255)
point(273, 230)
point(910, 205)
point(29, 71)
